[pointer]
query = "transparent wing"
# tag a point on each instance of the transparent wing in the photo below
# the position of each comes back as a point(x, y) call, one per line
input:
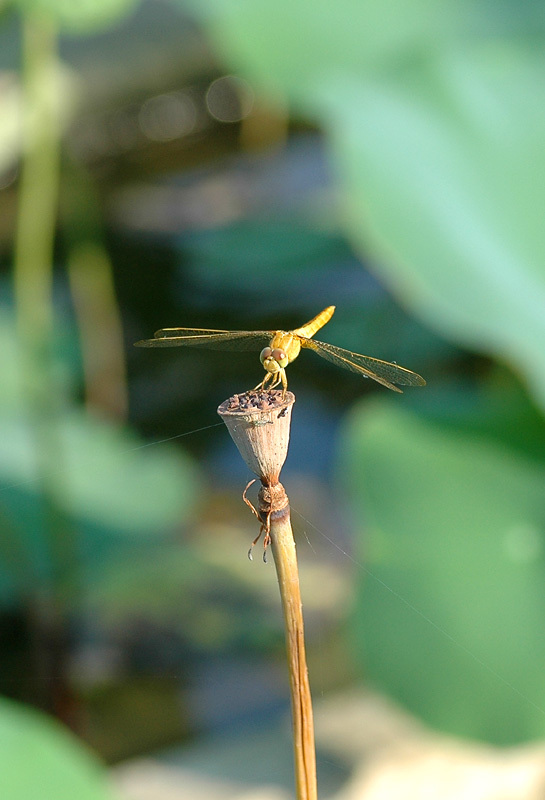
point(210, 339)
point(382, 371)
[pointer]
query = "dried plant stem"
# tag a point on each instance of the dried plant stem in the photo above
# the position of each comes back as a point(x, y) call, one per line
point(285, 560)
point(259, 424)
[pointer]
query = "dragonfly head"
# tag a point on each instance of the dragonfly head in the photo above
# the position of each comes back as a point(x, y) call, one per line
point(273, 360)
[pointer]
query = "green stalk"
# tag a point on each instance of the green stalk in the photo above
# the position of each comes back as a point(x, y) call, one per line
point(38, 195)
point(33, 283)
point(93, 294)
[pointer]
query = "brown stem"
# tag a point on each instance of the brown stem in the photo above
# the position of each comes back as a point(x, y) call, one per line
point(285, 560)
point(259, 425)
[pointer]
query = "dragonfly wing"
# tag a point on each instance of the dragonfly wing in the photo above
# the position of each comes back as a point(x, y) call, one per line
point(189, 332)
point(209, 339)
point(384, 372)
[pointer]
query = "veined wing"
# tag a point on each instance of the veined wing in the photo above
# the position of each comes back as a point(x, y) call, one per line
point(384, 372)
point(208, 338)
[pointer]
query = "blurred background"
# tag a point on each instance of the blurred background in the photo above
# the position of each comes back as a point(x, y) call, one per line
point(242, 166)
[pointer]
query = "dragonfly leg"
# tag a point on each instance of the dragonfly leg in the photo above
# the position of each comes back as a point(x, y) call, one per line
point(284, 383)
point(280, 377)
point(261, 386)
point(275, 378)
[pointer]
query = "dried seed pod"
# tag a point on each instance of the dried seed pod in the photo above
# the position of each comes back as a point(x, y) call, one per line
point(259, 424)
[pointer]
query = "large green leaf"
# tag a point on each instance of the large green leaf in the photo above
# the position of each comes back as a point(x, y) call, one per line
point(96, 470)
point(83, 16)
point(295, 46)
point(100, 473)
point(444, 176)
point(451, 605)
point(72, 484)
point(435, 118)
point(39, 759)
point(105, 487)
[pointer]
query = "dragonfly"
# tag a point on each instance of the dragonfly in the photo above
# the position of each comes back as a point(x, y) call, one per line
point(283, 347)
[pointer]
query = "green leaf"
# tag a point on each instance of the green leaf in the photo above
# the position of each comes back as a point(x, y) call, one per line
point(40, 759)
point(451, 606)
point(102, 474)
point(445, 168)
point(434, 115)
point(225, 258)
point(105, 485)
point(82, 16)
point(293, 46)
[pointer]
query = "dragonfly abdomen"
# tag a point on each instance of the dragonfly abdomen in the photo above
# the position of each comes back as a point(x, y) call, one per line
point(315, 323)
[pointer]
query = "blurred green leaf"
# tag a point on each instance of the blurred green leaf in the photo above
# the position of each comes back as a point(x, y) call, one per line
point(495, 408)
point(208, 603)
point(436, 123)
point(102, 473)
point(445, 165)
point(40, 759)
point(83, 16)
point(107, 486)
point(451, 607)
point(293, 47)
point(65, 363)
point(225, 259)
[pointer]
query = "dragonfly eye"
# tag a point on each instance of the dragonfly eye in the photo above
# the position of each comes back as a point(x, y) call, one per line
point(280, 357)
point(265, 353)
